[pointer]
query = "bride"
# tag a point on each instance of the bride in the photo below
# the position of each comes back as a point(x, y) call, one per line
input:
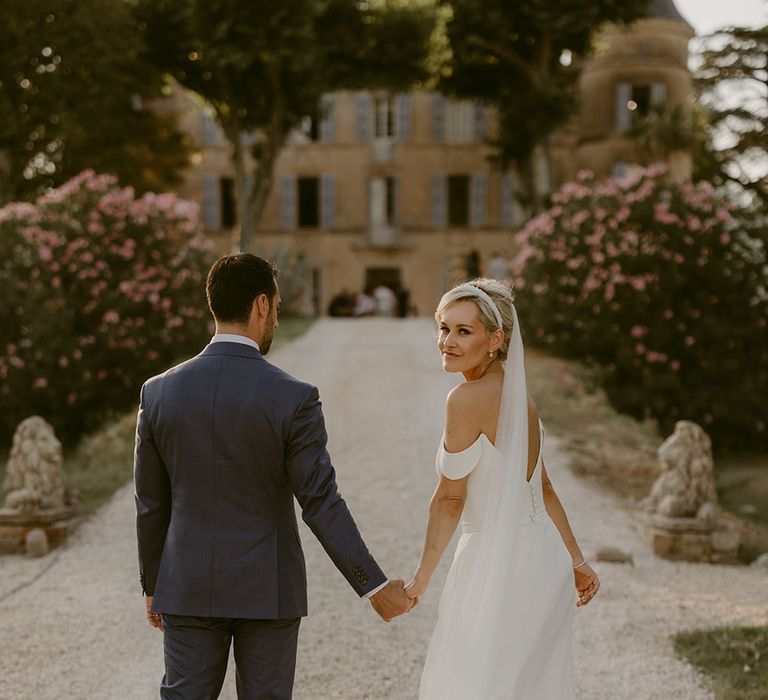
point(505, 617)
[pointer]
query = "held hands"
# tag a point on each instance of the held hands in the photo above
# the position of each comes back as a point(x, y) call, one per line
point(154, 619)
point(416, 588)
point(587, 583)
point(391, 601)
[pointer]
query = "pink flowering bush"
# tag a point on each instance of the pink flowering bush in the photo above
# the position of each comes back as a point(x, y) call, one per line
point(661, 286)
point(100, 290)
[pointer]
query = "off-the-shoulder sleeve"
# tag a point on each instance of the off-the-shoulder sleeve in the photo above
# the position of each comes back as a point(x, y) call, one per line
point(457, 465)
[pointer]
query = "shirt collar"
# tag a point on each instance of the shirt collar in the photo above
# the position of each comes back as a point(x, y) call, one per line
point(233, 338)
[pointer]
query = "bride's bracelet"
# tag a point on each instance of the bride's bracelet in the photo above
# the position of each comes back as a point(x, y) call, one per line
point(580, 564)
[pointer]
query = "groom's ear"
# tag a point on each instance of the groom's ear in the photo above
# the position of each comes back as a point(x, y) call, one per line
point(261, 305)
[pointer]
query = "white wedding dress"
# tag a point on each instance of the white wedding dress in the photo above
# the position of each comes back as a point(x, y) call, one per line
point(515, 642)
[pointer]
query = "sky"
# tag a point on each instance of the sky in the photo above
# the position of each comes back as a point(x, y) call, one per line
point(708, 15)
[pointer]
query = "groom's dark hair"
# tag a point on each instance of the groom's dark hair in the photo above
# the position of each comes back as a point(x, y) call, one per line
point(234, 282)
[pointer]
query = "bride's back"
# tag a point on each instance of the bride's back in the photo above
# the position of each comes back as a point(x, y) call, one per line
point(483, 400)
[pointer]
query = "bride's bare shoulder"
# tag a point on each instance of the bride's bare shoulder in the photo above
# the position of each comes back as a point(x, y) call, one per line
point(462, 423)
point(466, 396)
point(471, 400)
point(461, 399)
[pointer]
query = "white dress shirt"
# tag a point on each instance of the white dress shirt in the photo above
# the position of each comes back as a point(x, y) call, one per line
point(376, 590)
point(233, 338)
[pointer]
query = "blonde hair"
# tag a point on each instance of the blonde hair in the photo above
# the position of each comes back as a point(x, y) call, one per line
point(501, 296)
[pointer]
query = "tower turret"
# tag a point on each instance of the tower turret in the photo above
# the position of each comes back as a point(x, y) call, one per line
point(633, 68)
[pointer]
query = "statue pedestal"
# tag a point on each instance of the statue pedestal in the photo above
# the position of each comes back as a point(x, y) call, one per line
point(692, 539)
point(57, 523)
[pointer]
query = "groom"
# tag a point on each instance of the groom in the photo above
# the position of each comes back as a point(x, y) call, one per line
point(224, 442)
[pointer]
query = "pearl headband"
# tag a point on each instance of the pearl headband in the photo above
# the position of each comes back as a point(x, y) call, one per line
point(482, 294)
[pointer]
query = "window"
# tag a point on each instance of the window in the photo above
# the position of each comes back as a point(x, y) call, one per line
point(227, 189)
point(460, 122)
point(458, 200)
point(384, 117)
point(635, 100)
point(382, 207)
point(310, 128)
point(309, 202)
point(640, 99)
point(391, 203)
point(319, 126)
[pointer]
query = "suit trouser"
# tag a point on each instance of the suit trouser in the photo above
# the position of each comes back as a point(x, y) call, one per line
point(197, 651)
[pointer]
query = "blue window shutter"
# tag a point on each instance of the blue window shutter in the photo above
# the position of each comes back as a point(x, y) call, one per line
point(506, 192)
point(658, 93)
point(328, 118)
point(438, 118)
point(439, 208)
point(479, 121)
point(478, 213)
point(288, 202)
point(211, 202)
point(403, 117)
point(364, 116)
point(398, 191)
point(623, 114)
point(211, 131)
point(510, 209)
point(327, 201)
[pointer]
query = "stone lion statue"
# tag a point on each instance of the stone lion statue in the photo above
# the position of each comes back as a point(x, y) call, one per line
point(686, 487)
point(33, 478)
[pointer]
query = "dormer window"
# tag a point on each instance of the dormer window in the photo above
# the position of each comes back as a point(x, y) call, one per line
point(635, 99)
point(640, 99)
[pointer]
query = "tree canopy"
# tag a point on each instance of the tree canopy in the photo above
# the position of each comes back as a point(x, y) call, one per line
point(74, 94)
point(263, 65)
point(509, 54)
point(732, 84)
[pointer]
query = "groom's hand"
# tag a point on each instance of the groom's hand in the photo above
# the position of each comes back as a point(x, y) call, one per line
point(392, 601)
point(154, 619)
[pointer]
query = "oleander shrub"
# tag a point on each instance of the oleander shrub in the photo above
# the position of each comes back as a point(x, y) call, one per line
point(662, 288)
point(99, 289)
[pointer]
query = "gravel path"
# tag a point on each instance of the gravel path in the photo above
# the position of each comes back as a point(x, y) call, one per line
point(72, 626)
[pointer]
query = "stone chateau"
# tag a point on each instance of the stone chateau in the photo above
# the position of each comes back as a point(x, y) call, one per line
point(398, 189)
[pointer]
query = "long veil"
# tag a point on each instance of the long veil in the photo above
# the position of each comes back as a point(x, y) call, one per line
point(491, 591)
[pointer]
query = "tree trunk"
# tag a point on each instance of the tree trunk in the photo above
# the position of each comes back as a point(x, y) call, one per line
point(242, 233)
point(535, 179)
point(264, 155)
point(7, 191)
point(251, 197)
point(254, 198)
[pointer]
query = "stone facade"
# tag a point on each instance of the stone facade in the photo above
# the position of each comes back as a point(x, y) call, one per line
point(399, 190)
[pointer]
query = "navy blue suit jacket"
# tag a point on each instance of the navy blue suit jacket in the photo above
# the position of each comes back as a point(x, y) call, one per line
point(224, 441)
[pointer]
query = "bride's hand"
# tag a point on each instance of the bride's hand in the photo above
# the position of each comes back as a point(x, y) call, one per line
point(587, 584)
point(416, 588)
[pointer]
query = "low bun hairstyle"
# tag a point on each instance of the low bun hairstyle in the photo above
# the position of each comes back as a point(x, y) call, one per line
point(502, 297)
